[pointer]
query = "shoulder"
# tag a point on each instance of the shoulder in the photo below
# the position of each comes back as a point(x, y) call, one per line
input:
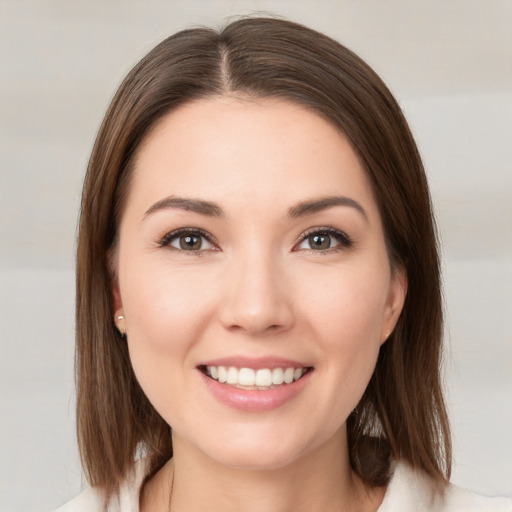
point(93, 500)
point(461, 499)
point(90, 500)
point(412, 490)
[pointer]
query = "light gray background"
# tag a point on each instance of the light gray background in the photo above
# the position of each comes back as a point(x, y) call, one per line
point(450, 65)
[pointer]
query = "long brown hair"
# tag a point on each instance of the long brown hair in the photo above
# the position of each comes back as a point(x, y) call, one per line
point(402, 414)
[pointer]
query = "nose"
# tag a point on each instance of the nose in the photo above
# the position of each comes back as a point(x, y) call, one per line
point(257, 297)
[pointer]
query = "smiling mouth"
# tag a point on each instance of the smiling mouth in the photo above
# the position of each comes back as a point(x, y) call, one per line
point(261, 379)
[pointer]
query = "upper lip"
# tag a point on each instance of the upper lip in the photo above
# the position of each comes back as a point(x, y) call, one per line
point(254, 363)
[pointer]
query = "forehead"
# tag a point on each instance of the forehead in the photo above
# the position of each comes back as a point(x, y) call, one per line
point(258, 151)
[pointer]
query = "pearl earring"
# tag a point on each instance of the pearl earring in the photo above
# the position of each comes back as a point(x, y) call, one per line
point(122, 331)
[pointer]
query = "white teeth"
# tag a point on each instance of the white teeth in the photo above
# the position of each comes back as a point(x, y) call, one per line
point(246, 377)
point(288, 375)
point(263, 378)
point(277, 376)
point(222, 372)
point(232, 376)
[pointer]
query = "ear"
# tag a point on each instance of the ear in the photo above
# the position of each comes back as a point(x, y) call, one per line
point(395, 301)
point(119, 319)
point(116, 295)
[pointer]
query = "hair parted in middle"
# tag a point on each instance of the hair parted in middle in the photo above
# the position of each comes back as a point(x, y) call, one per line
point(402, 414)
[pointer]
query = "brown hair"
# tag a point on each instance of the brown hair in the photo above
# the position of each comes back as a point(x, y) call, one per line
point(402, 414)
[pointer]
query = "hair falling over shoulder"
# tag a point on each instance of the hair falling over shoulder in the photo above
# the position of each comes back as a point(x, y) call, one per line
point(402, 415)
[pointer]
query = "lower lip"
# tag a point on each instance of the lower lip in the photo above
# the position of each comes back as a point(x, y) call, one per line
point(255, 400)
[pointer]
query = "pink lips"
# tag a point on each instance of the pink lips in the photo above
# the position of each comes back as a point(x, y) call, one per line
point(254, 400)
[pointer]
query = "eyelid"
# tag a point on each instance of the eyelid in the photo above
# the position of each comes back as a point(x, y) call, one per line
point(344, 241)
point(166, 240)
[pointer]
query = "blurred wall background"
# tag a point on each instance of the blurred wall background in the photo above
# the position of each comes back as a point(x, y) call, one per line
point(450, 65)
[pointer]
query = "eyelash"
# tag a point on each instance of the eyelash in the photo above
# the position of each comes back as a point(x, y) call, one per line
point(344, 241)
point(173, 235)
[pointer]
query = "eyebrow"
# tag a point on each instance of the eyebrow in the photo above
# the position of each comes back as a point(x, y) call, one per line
point(193, 205)
point(318, 205)
point(211, 209)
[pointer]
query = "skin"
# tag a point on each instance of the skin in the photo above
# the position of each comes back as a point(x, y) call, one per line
point(259, 288)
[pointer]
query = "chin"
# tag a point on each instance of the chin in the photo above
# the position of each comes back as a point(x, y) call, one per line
point(256, 458)
point(253, 450)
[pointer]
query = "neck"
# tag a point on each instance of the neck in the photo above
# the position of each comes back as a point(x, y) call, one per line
point(321, 480)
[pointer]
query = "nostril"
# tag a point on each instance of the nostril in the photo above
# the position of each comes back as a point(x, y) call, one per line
point(255, 311)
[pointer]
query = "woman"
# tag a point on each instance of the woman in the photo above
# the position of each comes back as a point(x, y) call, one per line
point(258, 299)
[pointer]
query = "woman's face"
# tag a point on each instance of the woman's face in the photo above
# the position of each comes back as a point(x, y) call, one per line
point(251, 249)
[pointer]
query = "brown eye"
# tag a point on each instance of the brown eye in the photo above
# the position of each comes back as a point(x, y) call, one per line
point(319, 241)
point(190, 242)
point(324, 239)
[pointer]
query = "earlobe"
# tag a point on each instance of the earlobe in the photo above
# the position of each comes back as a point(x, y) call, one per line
point(395, 301)
point(119, 320)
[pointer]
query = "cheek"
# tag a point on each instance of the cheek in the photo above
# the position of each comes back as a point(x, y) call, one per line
point(162, 305)
point(346, 315)
point(346, 304)
point(165, 315)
